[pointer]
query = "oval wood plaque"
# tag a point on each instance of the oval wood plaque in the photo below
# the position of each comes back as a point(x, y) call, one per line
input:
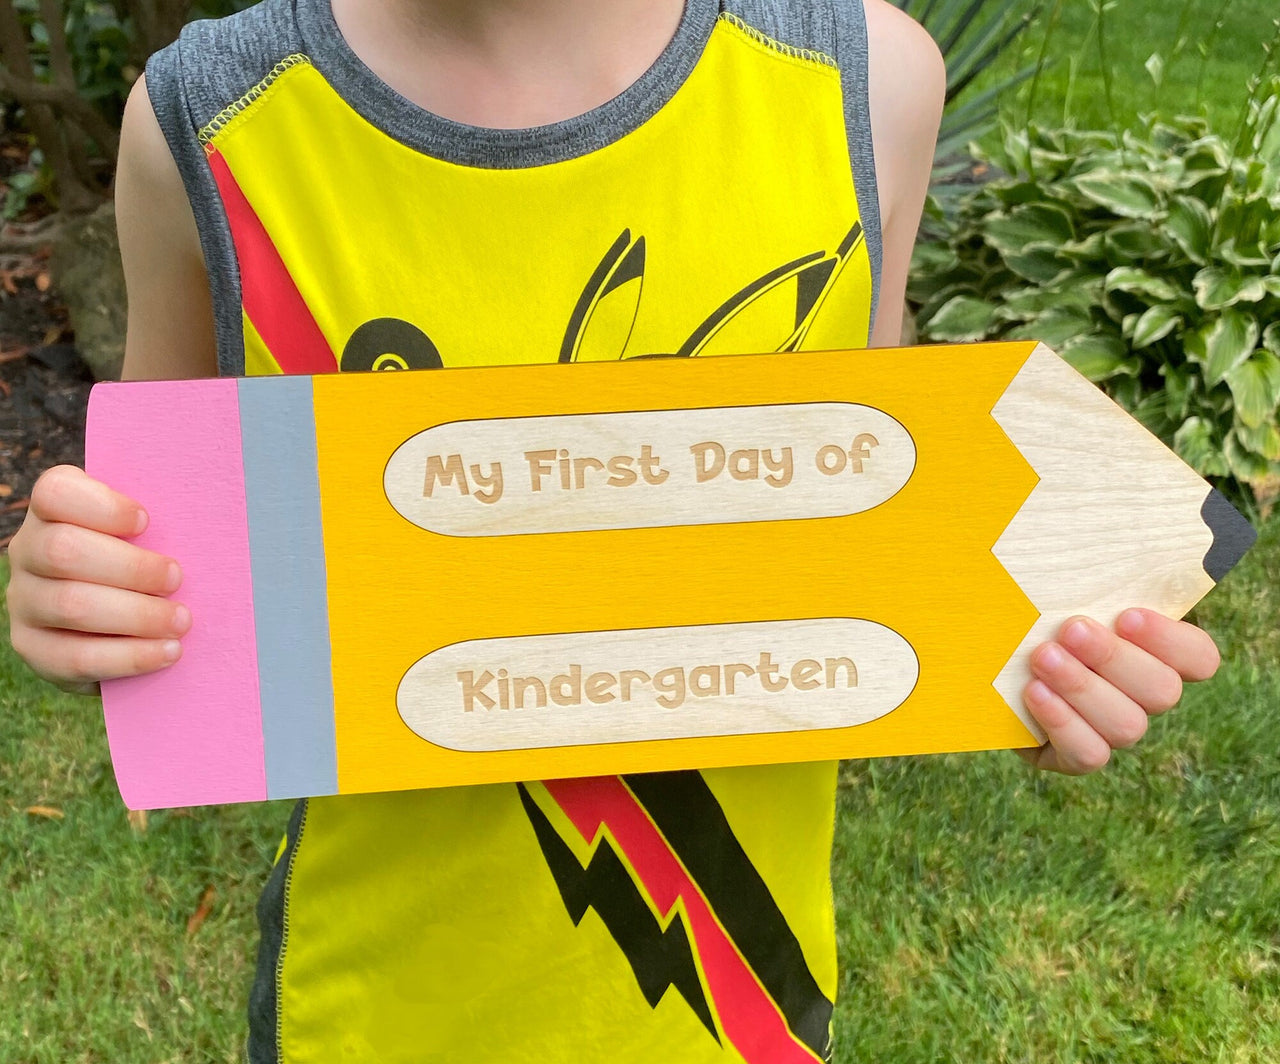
point(377, 607)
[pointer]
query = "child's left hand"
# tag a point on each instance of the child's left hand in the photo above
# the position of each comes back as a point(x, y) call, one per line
point(1095, 690)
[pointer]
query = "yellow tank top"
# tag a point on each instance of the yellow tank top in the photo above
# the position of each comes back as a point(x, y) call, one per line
point(675, 917)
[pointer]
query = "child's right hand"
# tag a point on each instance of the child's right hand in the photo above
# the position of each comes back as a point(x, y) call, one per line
point(84, 604)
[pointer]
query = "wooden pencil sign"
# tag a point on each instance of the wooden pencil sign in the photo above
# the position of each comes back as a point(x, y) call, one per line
point(448, 577)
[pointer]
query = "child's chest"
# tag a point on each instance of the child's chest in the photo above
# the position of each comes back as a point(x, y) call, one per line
point(727, 222)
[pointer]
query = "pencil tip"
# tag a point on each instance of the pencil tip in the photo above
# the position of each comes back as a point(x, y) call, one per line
point(1232, 535)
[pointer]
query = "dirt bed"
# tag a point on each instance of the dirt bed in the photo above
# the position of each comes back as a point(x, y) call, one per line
point(43, 389)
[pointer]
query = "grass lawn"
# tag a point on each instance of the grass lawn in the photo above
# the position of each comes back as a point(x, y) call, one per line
point(988, 914)
point(96, 963)
point(985, 913)
point(1208, 73)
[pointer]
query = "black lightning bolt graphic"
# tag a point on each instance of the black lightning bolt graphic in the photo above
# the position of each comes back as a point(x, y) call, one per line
point(694, 825)
point(659, 958)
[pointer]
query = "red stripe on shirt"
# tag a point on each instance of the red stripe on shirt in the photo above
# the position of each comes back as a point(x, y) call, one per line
point(747, 1015)
point(269, 295)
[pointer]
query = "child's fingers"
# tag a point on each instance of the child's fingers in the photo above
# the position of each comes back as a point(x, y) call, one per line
point(1144, 678)
point(73, 605)
point(1106, 709)
point(1074, 747)
point(1186, 649)
point(76, 661)
point(70, 495)
point(68, 552)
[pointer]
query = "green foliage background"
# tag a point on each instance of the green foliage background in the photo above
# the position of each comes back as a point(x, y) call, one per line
point(104, 43)
point(985, 913)
point(1150, 261)
point(1095, 61)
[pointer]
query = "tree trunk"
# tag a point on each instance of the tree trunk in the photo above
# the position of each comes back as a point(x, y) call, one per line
point(88, 276)
point(159, 22)
point(17, 77)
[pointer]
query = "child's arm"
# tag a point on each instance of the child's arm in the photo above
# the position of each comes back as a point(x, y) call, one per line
point(1094, 689)
point(907, 84)
point(84, 603)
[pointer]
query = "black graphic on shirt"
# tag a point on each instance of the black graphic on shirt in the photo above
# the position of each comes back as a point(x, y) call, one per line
point(694, 826)
point(603, 319)
point(389, 343)
point(814, 275)
point(659, 958)
point(622, 264)
point(683, 808)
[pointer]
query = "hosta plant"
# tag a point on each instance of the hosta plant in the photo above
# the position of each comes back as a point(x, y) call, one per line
point(1151, 262)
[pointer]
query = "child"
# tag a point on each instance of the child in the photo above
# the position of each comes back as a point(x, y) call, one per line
point(427, 183)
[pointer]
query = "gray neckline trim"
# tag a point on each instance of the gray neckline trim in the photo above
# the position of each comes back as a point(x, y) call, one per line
point(503, 149)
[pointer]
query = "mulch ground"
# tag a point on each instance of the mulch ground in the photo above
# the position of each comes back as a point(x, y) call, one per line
point(43, 384)
point(43, 391)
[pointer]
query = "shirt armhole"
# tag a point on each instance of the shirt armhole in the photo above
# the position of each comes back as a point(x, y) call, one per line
point(169, 101)
point(852, 54)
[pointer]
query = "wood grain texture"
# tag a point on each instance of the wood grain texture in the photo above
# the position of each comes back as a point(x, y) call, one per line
point(920, 563)
point(475, 639)
point(647, 469)
point(663, 683)
point(1115, 521)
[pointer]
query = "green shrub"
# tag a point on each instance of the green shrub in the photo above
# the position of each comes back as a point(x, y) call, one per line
point(109, 40)
point(971, 34)
point(66, 67)
point(1151, 262)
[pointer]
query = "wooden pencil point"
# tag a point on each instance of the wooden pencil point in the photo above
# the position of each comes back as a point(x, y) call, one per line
point(445, 577)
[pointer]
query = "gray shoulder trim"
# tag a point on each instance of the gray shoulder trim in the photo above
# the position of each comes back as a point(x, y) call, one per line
point(210, 66)
point(852, 55)
point(837, 28)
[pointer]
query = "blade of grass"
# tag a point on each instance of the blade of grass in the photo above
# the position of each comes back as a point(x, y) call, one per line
point(1041, 61)
point(1179, 43)
point(978, 53)
point(958, 30)
point(1106, 66)
point(1206, 49)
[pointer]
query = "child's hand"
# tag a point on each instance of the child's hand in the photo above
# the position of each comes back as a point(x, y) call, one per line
point(1095, 689)
point(84, 604)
